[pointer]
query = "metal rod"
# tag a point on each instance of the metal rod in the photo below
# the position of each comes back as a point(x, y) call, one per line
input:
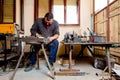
point(12, 77)
point(47, 61)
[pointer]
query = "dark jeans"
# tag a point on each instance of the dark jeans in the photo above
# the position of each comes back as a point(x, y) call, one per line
point(52, 47)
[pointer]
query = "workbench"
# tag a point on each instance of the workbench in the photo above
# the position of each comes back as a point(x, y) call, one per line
point(107, 46)
point(33, 41)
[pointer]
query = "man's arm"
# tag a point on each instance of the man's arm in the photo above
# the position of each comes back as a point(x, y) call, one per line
point(53, 37)
point(56, 32)
point(34, 28)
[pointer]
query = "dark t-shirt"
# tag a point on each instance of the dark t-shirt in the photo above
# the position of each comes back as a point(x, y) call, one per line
point(40, 27)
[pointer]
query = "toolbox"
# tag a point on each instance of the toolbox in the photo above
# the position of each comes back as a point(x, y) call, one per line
point(7, 28)
point(97, 39)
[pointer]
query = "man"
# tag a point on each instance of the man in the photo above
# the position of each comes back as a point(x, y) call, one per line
point(49, 28)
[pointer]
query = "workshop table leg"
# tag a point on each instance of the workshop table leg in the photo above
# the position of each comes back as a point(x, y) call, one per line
point(108, 60)
point(37, 55)
point(70, 59)
point(69, 70)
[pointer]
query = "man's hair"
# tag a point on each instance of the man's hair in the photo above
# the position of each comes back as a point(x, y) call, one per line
point(48, 16)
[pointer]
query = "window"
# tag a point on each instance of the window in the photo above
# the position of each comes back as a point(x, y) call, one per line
point(71, 12)
point(100, 4)
point(43, 7)
point(7, 10)
point(66, 12)
point(58, 10)
point(111, 1)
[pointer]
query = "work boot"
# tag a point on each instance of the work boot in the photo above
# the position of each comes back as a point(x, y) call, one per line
point(29, 67)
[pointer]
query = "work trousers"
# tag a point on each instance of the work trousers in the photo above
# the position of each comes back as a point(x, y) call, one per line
point(52, 47)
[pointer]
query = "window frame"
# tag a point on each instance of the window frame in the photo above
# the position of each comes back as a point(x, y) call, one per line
point(1, 14)
point(51, 8)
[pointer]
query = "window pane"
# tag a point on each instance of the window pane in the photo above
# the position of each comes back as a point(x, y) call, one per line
point(100, 4)
point(8, 11)
point(58, 11)
point(111, 1)
point(72, 13)
point(43, 7)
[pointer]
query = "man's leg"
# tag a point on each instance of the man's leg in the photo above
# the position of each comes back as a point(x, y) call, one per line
point(32, 57)
point(53, 47)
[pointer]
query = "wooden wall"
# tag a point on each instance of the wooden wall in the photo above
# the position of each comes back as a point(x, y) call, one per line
point(115, 21)
point(107, 23)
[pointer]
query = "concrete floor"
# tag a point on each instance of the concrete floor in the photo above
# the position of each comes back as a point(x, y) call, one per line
point(84, 64)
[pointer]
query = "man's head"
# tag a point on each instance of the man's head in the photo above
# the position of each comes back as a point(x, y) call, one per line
point(48, 18)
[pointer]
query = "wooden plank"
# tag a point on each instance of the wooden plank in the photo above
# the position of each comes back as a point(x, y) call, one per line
point(71, 73)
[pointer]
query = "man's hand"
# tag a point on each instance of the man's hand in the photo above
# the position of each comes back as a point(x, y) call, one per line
point(50, 39)
point(38, 35)
point(53, 37)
